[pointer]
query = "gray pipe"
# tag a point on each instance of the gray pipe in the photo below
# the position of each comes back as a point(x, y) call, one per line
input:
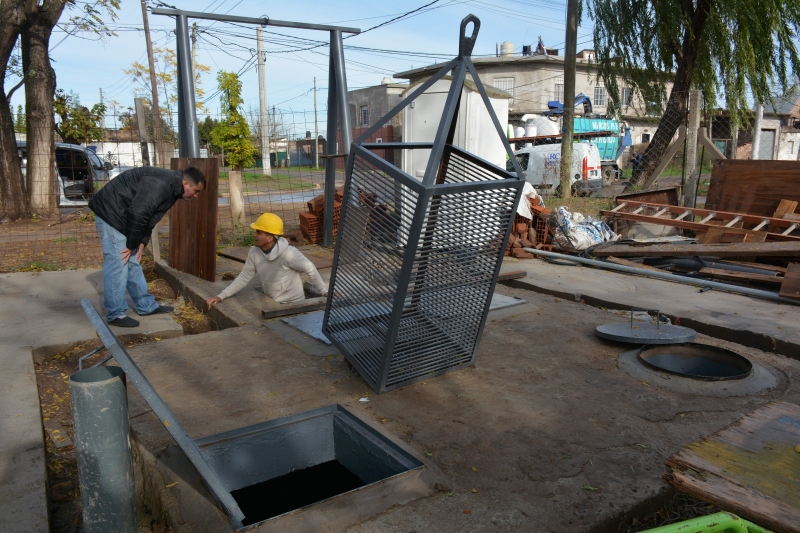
point(188, 138)
point(103, 445)
point(757, 293)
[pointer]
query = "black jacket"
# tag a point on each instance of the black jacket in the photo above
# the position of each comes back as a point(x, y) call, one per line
point(134, 202)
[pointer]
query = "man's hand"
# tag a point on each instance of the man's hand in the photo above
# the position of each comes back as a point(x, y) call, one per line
point(139, 253)
point(125, 255)
point(214, 300)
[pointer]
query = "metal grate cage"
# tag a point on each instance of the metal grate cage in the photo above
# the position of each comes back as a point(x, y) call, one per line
point(416, 261)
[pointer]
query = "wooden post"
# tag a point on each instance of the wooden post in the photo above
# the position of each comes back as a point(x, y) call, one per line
point(193, 223)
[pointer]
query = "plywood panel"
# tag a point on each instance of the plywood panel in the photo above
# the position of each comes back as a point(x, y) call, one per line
point(753, 187)
point(790, 288)
point(193, 224)
point(749, 468)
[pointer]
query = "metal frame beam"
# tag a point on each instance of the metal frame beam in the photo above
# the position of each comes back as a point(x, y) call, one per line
point(263, 21)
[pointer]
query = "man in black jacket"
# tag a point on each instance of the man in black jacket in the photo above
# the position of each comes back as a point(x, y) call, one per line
point(126, 211)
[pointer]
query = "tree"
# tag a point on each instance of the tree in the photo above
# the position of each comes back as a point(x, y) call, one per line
point(726, 48)
point(204, 129)
point(32, 23)
point(78, 124)
point(13, 204)
point(232, 133)
point(19, 126)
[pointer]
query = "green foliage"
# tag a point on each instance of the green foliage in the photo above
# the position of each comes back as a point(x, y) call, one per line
point(232, 133)
point(77, 124)
point(247, 239)
point(726, 48)
point(204, 130)
point(19, 123)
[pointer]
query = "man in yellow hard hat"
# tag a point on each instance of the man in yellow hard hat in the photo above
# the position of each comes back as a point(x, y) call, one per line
point(277, 264)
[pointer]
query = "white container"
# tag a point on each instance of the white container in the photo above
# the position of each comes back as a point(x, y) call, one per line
point(519, 132)
point(546, 127)
point(530, 128)
point(507, 48)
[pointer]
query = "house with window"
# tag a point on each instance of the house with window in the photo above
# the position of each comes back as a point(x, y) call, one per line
point(533, 80)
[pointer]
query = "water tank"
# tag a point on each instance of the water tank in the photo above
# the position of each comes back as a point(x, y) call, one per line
point(546, 127)
point(507, 48)
point(386, 80)
point(530, 128)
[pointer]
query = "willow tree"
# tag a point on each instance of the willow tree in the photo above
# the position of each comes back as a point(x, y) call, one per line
point(728, 49)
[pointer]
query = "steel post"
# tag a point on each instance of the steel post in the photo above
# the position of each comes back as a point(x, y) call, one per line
point(330, 148)
point(189, 143)
point(105, 466)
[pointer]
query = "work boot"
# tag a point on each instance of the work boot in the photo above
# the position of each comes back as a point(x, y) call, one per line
point(161, 310)
point(124, 322)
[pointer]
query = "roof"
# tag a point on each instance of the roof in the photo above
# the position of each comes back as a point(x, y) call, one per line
point(489, 62)
point(491, 92)
point(784, 105)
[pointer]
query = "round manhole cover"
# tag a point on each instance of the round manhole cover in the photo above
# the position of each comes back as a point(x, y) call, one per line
point(696, 361)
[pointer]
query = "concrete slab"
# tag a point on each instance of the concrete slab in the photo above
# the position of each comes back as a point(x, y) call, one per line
point(545, 433)
point(40, 315)
point(748, 321)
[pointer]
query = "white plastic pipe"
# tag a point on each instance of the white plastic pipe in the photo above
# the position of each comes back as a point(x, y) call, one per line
point(757, 293)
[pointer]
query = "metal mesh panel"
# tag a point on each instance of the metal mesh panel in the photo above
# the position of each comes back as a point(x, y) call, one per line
point(449, 277)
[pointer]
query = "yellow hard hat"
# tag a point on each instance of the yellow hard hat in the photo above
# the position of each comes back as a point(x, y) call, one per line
point(269, 223)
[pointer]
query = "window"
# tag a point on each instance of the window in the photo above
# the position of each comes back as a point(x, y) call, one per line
point(558, 92)
point(507, 85)
point(645, 137)
point(522, 159)
point(599, 96)
point(626, 96)
point(364, 115)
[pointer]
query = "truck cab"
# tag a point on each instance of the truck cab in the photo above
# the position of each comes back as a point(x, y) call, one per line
point(541, 165)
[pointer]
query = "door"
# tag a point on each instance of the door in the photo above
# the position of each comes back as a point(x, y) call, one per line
point(767, 146)
point(99, 171)
point(75, 172)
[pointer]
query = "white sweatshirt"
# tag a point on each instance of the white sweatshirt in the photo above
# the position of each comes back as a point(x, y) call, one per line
point(279, 271)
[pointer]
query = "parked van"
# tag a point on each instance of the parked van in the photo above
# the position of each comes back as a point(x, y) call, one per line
point(80, 172)
point(542, 167)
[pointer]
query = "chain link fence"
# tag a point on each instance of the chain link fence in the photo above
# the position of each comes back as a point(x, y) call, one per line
point(280, 179)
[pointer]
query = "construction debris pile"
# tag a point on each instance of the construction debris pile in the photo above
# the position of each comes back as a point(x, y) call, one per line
point(746, 234)
point(311, 221)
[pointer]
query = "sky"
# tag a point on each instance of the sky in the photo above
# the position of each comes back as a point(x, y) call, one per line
point(84, 64)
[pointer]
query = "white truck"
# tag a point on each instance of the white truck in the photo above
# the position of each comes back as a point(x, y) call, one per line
point(541, 165)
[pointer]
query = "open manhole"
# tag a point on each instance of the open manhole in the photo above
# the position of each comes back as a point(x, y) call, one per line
point(285, 465)
point(696, 361)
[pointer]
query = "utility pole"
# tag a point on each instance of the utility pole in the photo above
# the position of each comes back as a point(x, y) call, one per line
point(757, 132)
point(316, 127)
point(154, 88)
point(103, 123)
point(690, 185)
point(568, 118)
point(194, 51)
point(262, 100)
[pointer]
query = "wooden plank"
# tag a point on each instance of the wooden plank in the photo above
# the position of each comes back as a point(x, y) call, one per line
point(625, 262)
point(760, 249)
point(512, 274)
point(786, 207)
point(750, 467)
point(722, 234)
point(755, 187)
point(791, 283)
point(304, 306)
point(734, 275)
point(687, 224)
point(720, 216)
point(762, 266)
point(193, 224)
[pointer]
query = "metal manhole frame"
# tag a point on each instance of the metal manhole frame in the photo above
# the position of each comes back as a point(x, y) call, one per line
point(708, 347)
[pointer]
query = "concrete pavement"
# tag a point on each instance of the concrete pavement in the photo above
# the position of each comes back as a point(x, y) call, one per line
point(40, 316)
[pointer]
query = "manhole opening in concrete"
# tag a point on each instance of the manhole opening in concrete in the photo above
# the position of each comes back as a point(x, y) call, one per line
point(696, 361)
point(285, 465)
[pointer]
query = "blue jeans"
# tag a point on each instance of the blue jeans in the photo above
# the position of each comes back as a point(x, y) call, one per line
point(118, 276)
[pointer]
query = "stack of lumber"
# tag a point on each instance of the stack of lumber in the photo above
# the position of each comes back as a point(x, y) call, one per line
point(311, 221)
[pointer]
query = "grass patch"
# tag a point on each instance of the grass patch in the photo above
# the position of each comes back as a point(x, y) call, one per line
point(63, 240)
point(276, 182)
point(585, 206)
point(39, 266)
